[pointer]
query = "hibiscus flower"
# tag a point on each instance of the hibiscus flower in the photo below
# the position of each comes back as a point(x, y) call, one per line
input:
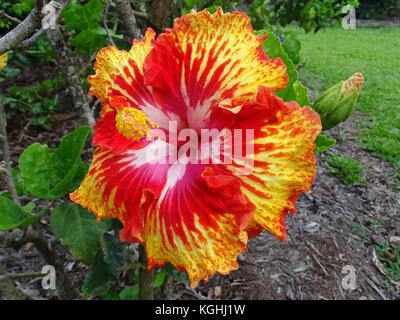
point(207, 72)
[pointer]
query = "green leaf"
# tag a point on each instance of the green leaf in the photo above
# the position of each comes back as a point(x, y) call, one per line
point(32, 219)
point(105, 268)
point(113, 252)
point(81, 172)
point(294, 90)
point(83, 17)
point(78, 230)
point(11, 214)
point(100, 277)
point(110, 295)
point(14, 216)
point(301, 93)
point(89, 41)
point(29, 207)
point(292, 47)
point(324, 143)
point(85, 20)
point(191, 3)
point(129, 293)
point(23, 6)
point(159, 279)
point(48, 173)
point(177, 275)
point(6, 194)
point(19, 183)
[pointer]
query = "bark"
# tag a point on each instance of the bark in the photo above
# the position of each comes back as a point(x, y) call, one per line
point(127, 16)
point(160, 13)
point(18, 36)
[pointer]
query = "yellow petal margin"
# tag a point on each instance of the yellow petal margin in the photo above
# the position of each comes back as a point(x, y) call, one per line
point(284, 164)
point(112, 63)
point(209, 250)
point(226, 42)
point(197, 225)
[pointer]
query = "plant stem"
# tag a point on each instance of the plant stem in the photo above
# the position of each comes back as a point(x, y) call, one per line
point(68, 63)
point(146, 291)
point(8, 290)
point(6, 154)
point(67, 290)
point(22, 275)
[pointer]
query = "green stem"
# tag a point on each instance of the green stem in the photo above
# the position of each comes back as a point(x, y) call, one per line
point(146, 291)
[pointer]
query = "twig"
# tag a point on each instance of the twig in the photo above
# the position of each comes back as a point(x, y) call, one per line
point(34, 37)
point(373, 286)
point(16, 37)
point(109, 37)
point(28, 42)
point(195, 294)
point(25, 128)
point(20, 32)
point(319, 263)
point(334, 240)
point(13, 19)
point(141, 14)
point(8, 289)
point(87, 65)
point(22, 275)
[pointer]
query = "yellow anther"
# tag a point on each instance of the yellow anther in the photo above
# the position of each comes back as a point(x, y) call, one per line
point(133, 124)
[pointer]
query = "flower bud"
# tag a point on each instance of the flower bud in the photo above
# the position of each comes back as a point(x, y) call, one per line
point(336, 104)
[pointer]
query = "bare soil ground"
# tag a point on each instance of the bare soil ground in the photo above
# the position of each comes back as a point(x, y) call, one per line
point(335, 226)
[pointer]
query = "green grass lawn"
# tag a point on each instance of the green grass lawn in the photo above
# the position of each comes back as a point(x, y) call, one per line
point(335, 54)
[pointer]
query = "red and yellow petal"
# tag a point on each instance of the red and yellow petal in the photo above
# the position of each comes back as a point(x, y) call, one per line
point(207, 58)
point(118, 83)
point(114, 187)
point(106, 134)
point(284, 163)
point(202, 73)
point(197, 223)
point(120, 72)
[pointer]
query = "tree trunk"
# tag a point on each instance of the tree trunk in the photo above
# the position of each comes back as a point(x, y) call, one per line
point(127, 17)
